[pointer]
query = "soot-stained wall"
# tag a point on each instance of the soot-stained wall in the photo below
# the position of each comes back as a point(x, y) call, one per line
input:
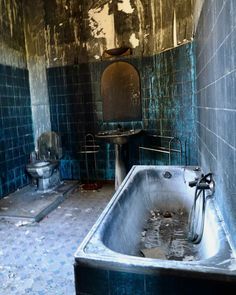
point(76, 35)
point(69, 37)
point(216, 102)
point(168, 99)
point(12, 43)
point(78, 32)
point(34, 28)
point(16, 136)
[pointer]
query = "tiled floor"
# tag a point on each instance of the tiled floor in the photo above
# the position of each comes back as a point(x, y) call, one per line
point(29, 204)
point(38, 258)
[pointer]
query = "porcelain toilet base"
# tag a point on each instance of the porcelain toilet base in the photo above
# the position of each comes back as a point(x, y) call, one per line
point(46, 173)
point(47, 184)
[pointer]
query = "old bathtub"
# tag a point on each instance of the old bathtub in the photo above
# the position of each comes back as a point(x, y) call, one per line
point(108, 261)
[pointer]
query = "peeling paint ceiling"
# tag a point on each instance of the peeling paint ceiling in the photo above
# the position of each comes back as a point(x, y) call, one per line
point(80, 31)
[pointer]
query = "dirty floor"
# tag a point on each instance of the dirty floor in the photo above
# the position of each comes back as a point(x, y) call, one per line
point(38, 258)
point(27, 203)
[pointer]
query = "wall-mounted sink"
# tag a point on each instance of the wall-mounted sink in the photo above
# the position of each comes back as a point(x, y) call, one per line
point(117, 136)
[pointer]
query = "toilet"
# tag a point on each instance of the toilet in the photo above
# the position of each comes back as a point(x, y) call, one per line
point(44, 167)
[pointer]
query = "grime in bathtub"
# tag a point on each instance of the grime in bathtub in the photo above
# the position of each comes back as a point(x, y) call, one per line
point(164, 236)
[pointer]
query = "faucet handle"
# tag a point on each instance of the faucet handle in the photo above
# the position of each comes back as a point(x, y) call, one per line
point(193, 183)
point(203, 185)
point(205, 182)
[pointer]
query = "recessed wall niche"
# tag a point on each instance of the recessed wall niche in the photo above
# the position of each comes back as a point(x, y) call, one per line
point(120, 90)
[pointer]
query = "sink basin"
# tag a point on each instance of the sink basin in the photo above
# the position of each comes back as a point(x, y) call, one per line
point(117, 136)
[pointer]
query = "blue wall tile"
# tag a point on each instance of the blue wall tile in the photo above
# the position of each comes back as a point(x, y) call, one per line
point(16, 133)
point(122, 283)
point(168, 97)
point(216, 103)
point(95, 281)
point(91, 281)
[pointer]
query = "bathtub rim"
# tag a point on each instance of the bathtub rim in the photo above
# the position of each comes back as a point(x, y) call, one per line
point(217, 265)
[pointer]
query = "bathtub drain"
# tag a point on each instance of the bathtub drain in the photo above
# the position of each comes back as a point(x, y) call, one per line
point(167, 175)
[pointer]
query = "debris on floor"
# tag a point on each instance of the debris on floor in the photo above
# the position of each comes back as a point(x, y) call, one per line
point(23, 223)
point(68, 215)
point(40, 239)
point(4, 208)
point(38, 258)
point(91, 186)
point(88, 210)
point(28, 203)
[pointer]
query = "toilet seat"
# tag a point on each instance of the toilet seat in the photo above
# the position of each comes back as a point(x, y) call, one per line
point(39, 164)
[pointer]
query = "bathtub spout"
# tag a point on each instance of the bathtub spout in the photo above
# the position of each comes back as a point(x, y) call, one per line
point(193, 183)
point(196, 224)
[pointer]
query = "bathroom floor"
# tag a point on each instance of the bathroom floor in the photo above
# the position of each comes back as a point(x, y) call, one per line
point(29, 205)
point(37, 258)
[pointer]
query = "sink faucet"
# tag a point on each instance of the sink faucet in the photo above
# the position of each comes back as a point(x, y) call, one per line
point(119, 128)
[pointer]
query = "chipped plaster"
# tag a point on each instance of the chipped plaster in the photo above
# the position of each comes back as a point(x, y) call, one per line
point(133, 40)
point(77, 33)
point(125, 6)
point(102, 25)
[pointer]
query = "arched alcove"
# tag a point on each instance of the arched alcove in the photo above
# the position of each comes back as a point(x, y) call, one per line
point(120, 90)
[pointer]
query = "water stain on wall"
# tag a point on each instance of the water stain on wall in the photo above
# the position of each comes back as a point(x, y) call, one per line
point(12, 43)
point(34, 27)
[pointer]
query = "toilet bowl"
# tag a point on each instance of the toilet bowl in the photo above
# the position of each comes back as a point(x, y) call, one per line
point(45, 170)
point(42, 169)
